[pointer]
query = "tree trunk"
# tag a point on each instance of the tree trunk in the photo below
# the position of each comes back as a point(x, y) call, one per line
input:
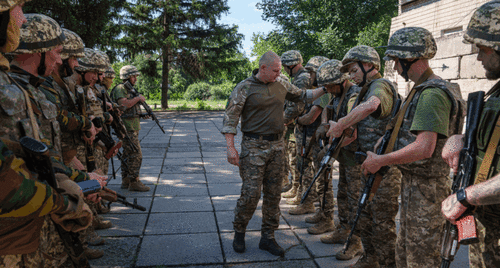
point(164, 73)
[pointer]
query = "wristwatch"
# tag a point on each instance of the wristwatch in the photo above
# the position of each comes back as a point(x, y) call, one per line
point(462, 198)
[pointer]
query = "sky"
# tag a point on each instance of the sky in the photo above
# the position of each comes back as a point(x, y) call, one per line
point(248, 19)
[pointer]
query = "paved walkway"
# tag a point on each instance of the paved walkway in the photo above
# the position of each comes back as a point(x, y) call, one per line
point(189, 215)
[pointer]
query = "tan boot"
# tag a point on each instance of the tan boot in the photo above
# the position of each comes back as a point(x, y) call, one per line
point(324, 225)
point(316, 217)
point(302, 209)
point(291, 193)
point(286, 187)
point(99, 223)
point(338, 236)
point(138, 186)
point(366, 262)
point(93, 253)
point(294, 201)
point(101, 208)
point(355, 249)
point(125, 183)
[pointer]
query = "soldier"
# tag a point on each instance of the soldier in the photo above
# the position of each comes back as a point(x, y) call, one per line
point(482, 31)
point(121, 95)
point(376, 101)
point(292, 64)
point(107, 77)
point(259, 100)
point(429, 112)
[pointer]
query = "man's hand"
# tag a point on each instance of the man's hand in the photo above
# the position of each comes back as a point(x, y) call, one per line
point(451, 151)
point(101, 179)
point(95, 198)
point(350, 137)
point(372, 163)
point(378, 143)
point(141, 98)
point(109, 105)
point(93, 131)
point(452, 209)
point(232, 156)
point(335, 130)
point(321, 131)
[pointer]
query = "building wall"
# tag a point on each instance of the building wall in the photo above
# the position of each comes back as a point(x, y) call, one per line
point(446, 20)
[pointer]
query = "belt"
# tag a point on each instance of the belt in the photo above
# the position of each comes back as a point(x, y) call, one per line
point(274, 137)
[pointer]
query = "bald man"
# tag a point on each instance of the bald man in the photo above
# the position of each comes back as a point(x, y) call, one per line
point(259, 100)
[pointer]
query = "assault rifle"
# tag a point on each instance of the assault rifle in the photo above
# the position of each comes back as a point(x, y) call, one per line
point(89, 150)
point(90, 187)
point(148, 109)
point(303, 153)
point(374, 180)
point(38, 160)
point(465, 230)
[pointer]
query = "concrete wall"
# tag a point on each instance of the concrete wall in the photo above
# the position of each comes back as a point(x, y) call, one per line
point(446, 20)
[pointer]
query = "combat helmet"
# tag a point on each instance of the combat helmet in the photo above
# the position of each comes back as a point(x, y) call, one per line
point(92, 62)
point(314, 63)
point(8, 4)
point(291, 58)
point(73, 46)
point(484, 26)
point(110, 72)
point(361, 54)
point(330, 73)
point(409, 45)
point(40, 34)
point(127, 71)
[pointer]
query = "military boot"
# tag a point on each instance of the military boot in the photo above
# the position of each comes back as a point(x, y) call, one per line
point(138, 186)
point(302, 209)
point(324, 225)
point(270, 245)
point(92, 253)
point(355, 249)
point(102, 208)
point(316, 217)
point(338, 236)
point(290, 193)
point(286, 188)
point(125, 183)
point(100, 224)
point(239, 242)
point(366, 262)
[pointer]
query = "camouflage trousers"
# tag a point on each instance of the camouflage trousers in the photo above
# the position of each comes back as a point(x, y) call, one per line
point(30, 260)
point(324, 189)
point(133, 159)
point(51, 246)
point(291, 162)
point(310, 164)
point(262, 166)
point(421, 223)
point(80, 155)
point(486, 253)
point(377, 224)
point(100, 161)
point(349, 185)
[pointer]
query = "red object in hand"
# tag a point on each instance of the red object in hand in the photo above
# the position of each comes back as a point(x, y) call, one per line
point(467, 230)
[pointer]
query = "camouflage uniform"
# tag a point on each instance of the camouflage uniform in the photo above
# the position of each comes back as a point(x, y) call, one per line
point(425, 183)
point(261, 161)
point(482, 27)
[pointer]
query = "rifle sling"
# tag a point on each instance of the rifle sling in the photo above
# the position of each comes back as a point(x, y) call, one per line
point(484, 170)
point(396, 125)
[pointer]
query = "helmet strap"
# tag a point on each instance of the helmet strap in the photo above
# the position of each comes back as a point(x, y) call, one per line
point(4, 24)
point(365, 73)
point(67, 69)
point(406, 65)
point(42, 68)
point(291, 69)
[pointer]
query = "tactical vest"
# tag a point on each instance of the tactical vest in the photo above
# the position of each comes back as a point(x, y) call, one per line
point(371, 129)
point(489, 116)
point(135, 111)
point(94, 104)
point(434, 166)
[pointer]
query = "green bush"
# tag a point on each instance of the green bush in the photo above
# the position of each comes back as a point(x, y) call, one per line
point(200, 90)
point(221, 91)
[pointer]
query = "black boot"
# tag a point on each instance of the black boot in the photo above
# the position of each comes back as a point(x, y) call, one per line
point(239, 242)
point(270, 245)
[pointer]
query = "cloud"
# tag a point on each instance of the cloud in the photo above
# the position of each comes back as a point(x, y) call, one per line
point(254, 5)
point(231, 20)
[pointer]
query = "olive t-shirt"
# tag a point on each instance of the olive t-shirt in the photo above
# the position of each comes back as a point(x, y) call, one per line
point(432, 112)
point(131, 123)
point(382, 90)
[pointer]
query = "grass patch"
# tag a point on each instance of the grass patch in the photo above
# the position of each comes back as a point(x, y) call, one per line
point(184, 105)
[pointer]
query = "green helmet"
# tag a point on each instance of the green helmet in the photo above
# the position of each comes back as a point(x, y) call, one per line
point(411, 43)
point(361, 53)
point(104, 58)
point(110, 72)
point(484, 26)
point(8, 4)
point(330, 73)
point(92, 62)
point(73, 46)
point(291, 57)
point(40, 34)
point(314, 63)
point(127, 71)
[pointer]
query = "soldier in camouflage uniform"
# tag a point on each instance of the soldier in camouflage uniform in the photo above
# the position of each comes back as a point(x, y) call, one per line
point(376, 101)
point(292, 62)
point(429, 119)
point(121, 95)
point(34, 118)
point(258, 100)
point(482, 31)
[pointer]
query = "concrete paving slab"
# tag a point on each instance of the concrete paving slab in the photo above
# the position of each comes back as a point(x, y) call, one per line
point(214, 148)
point(146, 169)
point(180, 189)
point(181, 223)
point(176, 155)
point(225, 189)
point(184, 161)
point(276, 264)
point(132, 194)
point(154, 162)
point(285, 238)
point(220, 154)
point(313, 243)
point(120, 208)
point(124, 224)
point(184, 148)
point(181, 249)
point(153, 153)
point(331, 262)
point(226, 169)
point(215, 178)
point(295, 221)
point(225, 221)
point(159, 144)
point(182, 169)
point(181, 204)
point(182, 178)
point(120, 252)
point(228, 202)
